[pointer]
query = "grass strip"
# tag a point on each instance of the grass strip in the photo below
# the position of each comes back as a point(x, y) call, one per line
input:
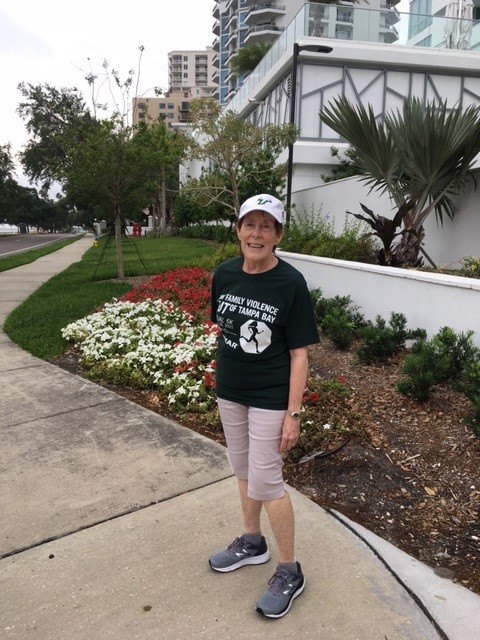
point(35, 325)
point(26, 257)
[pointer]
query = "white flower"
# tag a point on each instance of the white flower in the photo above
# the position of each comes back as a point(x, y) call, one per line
point(150, 341)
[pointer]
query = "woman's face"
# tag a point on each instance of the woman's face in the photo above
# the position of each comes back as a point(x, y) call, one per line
point(258, 235)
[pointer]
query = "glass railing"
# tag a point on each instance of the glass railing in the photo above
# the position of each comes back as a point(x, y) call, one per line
point(367, 25)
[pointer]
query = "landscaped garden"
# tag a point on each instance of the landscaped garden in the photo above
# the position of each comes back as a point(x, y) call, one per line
point(404, 465)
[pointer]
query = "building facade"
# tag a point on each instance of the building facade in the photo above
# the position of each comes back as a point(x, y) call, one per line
point(190, 75)
point(192, 70)
point(240, 23)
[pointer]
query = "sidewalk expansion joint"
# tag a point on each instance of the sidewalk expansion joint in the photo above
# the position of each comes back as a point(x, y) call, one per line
point(66, 412)
point(97, 523)
point(413, 595)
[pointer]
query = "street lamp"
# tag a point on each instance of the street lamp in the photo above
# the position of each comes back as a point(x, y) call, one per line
point(297, 48)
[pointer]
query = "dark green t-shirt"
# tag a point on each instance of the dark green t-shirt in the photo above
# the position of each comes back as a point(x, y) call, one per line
point(261, 316)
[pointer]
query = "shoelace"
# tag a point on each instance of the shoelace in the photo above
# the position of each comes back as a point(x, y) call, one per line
point(279, 582)
point(236, 544)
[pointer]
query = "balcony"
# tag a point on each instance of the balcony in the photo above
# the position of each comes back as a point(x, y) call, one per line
point(231, 39)
point(216, 28)
point(320, 20)
point(264, 11)
point(390, 17)
point(263, 33)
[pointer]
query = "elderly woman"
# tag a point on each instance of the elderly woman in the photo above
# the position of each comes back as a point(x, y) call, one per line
point(264, 310)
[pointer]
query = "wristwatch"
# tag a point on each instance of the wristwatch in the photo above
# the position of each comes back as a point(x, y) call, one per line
point(294, 414)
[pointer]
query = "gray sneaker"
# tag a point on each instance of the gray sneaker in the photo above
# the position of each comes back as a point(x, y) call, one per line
point(282, 590)
point(239, 554)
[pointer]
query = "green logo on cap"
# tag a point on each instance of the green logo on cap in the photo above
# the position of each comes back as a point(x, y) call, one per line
point(263, 201)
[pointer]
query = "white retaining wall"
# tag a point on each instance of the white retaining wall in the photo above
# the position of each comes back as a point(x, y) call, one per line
point(446, 244)
point(428, 300)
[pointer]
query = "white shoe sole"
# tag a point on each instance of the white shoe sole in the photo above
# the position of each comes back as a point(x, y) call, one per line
point(265, 557)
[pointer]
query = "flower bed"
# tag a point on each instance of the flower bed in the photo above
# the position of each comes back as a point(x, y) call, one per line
point(156, 336)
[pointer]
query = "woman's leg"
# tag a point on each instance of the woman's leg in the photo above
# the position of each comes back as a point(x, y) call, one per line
point(282, 522)
point(250, 508)
point(235, 426)
point(265, 478)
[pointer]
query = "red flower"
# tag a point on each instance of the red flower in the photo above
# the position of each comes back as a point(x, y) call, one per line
point(188, 289)
point(342, 379)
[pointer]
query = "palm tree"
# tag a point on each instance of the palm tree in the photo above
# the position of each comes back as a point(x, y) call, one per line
point(421, 156)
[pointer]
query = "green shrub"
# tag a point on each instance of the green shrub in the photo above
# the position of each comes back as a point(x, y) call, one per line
point(380, 341)
point(339, 327)
point(335, 387)
point(338, 318)
point(325, 306)
point(470, 378)
point(424, 368)
point(226, 251)
point(314, 235)
point(447, 357)
point(471, 267)
point(459, 349)
point(214, 232)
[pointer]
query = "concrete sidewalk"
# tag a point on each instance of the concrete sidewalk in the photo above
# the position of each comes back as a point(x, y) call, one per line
point(110, 511)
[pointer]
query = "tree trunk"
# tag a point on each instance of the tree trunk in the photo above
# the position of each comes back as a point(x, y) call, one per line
point(163, 215)
point(118, 244)
point(408, 249)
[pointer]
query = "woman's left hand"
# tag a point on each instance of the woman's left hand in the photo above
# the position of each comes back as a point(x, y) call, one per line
point(290, 433)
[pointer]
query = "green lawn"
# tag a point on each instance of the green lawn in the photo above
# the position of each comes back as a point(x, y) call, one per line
point(36, 324)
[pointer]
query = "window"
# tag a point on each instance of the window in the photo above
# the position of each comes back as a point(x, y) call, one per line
point(161, 105)
point(185, 58)
point(185, 75)
point(170, 105)
point(420, 16)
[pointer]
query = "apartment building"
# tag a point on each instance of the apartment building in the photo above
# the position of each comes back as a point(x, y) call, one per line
point(190, 75)
point(239, 23)
point(192, 70)
point(172, 108)
point(450, 24)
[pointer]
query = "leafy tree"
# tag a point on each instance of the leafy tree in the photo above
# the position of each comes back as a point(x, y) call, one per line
point(346, 167)
point(420, 155)
point(104, 166)
point(241, 157)
point(57, 120)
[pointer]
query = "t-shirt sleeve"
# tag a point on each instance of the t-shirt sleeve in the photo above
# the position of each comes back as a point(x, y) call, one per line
point(300, 323)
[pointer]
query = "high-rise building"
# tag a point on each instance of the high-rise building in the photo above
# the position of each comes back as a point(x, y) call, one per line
point(190, 75)
point(192, 70)
point(239, 23)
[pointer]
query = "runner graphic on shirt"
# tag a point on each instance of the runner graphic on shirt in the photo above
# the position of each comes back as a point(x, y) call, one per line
point(255, 336)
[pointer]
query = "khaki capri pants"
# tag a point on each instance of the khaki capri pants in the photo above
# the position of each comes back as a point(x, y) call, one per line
point(253, 439)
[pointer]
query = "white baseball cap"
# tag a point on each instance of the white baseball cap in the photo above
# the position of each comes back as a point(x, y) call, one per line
point(264, 202)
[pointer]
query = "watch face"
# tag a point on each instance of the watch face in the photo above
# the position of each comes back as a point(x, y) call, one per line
point(295, 415)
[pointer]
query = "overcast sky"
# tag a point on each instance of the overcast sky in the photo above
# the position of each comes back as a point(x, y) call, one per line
point(51, 42)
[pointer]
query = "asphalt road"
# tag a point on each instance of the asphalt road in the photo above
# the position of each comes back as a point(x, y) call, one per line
point(18, 243)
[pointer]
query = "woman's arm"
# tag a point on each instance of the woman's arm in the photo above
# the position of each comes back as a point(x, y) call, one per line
point(298, 381)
